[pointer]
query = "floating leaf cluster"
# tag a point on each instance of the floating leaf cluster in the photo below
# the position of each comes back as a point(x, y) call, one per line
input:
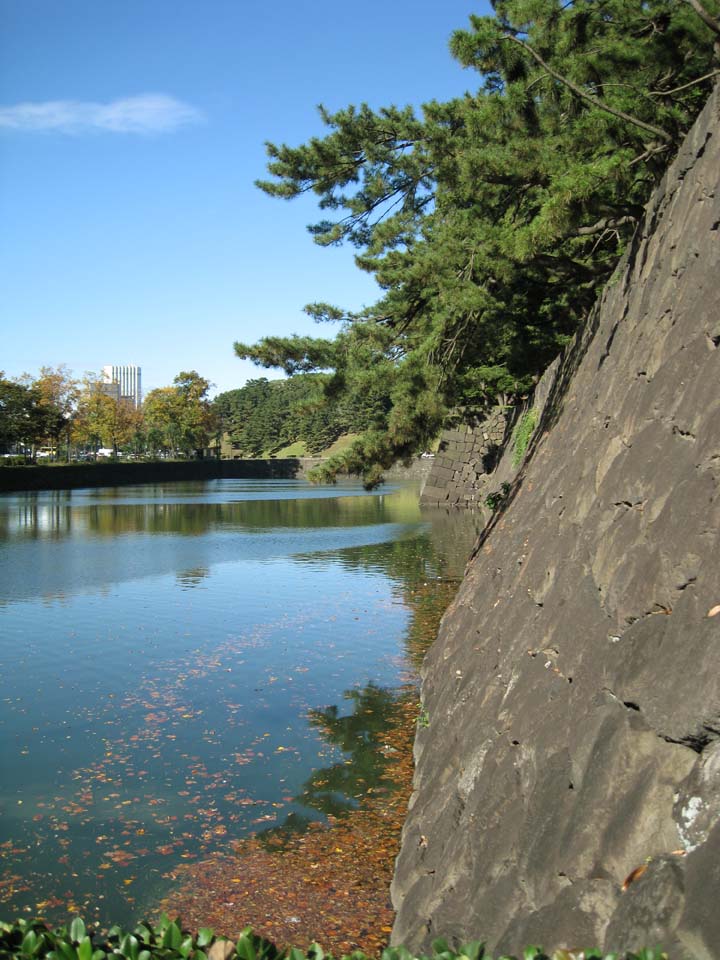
point(329, 881)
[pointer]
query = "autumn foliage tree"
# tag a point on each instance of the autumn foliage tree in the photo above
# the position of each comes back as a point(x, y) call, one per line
point(180, 419)
point(21, 416)
point(56, 407)
point(102, 420)
point(57, 391)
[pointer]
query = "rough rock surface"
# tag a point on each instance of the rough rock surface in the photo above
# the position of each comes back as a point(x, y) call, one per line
point(573, 693)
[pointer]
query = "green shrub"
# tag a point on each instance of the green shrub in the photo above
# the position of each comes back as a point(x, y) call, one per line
point(373, 477)
point(32, 940)
point(493, 501)
point(521, 435)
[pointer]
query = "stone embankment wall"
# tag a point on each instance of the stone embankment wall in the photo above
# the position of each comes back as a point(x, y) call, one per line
point(567, 786)
point(467, 456)
point(73, 476)
point(470, 462)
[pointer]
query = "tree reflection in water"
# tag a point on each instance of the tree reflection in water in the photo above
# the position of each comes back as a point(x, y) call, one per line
point(329, 880)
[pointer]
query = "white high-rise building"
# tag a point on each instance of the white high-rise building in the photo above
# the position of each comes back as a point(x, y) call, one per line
point(128, 380)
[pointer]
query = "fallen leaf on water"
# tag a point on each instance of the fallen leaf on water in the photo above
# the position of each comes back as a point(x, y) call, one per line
point(634, 875)
point(330, 883)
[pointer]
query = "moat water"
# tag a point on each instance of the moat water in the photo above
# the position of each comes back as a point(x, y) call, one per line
point(163, 652)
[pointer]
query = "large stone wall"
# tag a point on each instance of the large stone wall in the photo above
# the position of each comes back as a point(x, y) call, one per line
point(573, 694)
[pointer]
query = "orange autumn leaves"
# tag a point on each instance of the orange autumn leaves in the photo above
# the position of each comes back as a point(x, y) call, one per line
point(330, 884)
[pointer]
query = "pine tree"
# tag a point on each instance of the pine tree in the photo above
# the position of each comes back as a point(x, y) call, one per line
point(491, 221)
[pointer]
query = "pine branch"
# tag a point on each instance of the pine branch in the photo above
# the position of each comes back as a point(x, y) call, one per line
point(584, 95)
point(609, 223)
point(647, 154)
point(706, 18)
point(669, 93)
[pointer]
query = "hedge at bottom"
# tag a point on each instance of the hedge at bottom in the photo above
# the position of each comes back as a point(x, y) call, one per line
point(168, 941)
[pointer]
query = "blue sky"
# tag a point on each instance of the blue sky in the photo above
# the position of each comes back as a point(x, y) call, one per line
point(131, 132)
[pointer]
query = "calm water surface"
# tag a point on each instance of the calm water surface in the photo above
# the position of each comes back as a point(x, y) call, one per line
point(162, 650)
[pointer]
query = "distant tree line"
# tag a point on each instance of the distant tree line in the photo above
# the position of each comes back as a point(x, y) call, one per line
point(266, 415)
point(492, 220)
point(58, 414)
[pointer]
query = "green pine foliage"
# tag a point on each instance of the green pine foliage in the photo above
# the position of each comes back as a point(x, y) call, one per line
point(266, 415)
point(491, 221)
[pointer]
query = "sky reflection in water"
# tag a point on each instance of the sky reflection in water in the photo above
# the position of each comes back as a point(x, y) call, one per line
point(161, 650)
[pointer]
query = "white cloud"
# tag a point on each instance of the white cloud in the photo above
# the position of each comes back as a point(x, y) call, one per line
point(146, 113)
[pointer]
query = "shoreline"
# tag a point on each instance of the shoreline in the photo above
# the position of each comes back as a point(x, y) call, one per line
point(73, 476)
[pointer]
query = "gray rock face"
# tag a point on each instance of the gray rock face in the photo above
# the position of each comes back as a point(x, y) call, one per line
point(573, 693)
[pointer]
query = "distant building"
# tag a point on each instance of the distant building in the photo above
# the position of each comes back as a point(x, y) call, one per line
point(127, 379)
point(111, 389)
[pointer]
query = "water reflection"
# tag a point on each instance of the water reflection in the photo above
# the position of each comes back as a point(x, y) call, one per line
point(37, 516)
point(64, 542)
point(178, 696)
point(426, 571)
point(440, 547)
point(336, 789)
point(204, 508)
point(192, 578)
point(304, 879)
